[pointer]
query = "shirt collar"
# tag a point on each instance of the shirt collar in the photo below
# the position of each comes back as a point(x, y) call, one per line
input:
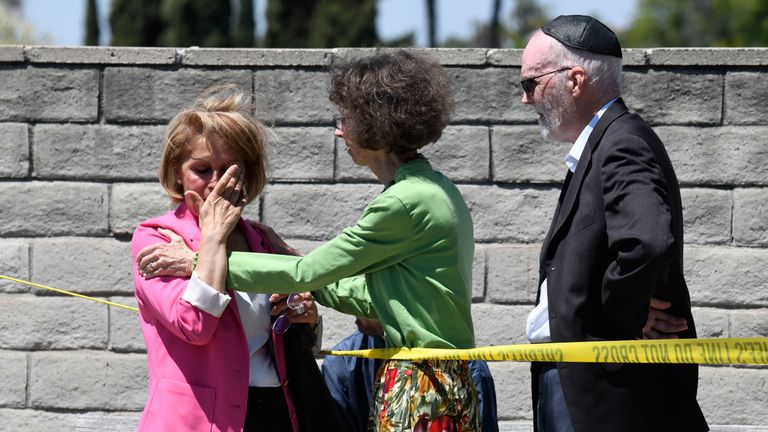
point(573, 156)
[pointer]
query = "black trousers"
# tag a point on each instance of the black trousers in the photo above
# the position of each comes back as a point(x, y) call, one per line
point(267, 410)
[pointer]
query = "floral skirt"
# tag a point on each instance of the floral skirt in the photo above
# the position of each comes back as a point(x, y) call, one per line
point(424, 396)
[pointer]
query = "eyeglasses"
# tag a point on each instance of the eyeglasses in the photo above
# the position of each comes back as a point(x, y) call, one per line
point(529, 84)
point(283, 322)
point(338, 122)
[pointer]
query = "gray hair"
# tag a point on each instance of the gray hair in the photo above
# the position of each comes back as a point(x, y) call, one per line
point(603, 71)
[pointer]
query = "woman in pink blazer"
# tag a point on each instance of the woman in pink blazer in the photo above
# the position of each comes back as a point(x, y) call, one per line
point(215, 363)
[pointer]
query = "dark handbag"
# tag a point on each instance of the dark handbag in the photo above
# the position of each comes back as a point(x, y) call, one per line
point(315, 407)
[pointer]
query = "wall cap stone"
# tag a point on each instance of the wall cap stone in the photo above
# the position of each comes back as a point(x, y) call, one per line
point(11, 54)
point(708, 56)
point(255, 57)
point(100, 55)
point(288, 57)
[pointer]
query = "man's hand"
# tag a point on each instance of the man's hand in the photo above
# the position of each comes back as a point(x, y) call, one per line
point(661, 325)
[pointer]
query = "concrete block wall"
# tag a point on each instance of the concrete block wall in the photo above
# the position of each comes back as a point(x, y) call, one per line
point(83, 129)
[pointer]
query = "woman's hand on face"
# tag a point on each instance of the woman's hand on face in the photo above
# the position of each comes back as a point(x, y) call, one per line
point(309, 314)
point(219, 212)
point(166, 259)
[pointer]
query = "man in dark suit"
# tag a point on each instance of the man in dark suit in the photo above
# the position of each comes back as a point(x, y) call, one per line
point(615, 242)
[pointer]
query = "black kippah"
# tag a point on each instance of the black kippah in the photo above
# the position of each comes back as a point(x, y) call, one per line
point(584, 32)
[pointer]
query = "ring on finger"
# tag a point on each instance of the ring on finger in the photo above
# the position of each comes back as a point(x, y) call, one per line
point(300, 309)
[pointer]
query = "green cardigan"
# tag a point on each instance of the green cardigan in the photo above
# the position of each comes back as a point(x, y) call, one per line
point(413, 246)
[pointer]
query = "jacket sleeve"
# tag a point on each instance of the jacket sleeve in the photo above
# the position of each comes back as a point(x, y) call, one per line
point(380, 238)
point(188, 308)
point(639, 230)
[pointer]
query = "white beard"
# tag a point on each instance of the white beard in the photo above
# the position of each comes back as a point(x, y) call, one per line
point(555, 109)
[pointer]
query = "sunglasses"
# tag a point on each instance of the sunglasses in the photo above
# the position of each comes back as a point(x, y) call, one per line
point(283, 322)
point(529, 84)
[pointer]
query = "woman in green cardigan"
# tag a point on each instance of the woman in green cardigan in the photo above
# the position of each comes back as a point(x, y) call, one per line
point(406, 262)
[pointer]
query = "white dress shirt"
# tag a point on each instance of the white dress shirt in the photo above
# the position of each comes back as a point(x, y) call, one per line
point(255, 314)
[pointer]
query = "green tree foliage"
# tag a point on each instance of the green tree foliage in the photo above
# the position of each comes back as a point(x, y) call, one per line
point(527, 16)
point(343, 23)
point(135, 22)
point(196, 22)
point(246, 25)
point(91, 23)
point(320, 23)
point(704, 23)
point(288, 23)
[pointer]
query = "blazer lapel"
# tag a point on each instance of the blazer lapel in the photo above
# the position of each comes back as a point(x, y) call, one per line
point(572, 188)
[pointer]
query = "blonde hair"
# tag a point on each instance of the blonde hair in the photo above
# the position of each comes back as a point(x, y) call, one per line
point(217, 117)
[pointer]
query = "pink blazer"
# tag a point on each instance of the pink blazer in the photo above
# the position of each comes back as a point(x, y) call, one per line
point(198, 363)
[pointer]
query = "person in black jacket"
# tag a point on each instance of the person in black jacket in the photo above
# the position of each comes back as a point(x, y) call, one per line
point(615, 242)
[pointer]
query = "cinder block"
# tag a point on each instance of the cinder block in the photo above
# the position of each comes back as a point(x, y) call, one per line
point(79, 380)
point(97, 152)
point(520, 155)
point(39, 323)
point(717, 156)
point(124, 329)
point(292, 96)
point(510, 213)
point(726, 276)
point(462, 153)
point(683, 96)
point(90, 266)
point(13, 375)
point(14, 150)
point(489, 95)
point(513, 273)
point(478, 273)
point(133, 203)
point(748, 322)
point(301, 154)
point(733, 396)
point(100, 421)
point(744, 96)
point(49, 94)
point(499, 324)
point(706, 215)
point(315, 212)
point(36, 420)
point(336, 326)
point(711, 322)
point(53, 208)
point(14, 262)
point(750, 225)
point(135, 94)
point(513, 391)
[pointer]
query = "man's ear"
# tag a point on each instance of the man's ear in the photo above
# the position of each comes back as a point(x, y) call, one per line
point(577, 76)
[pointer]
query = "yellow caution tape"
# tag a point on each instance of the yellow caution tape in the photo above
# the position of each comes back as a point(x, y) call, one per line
point(745, 351)
point(61, 291)
point(742, 351)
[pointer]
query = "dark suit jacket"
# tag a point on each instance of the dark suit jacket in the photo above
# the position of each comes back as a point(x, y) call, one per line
point(616, 240)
